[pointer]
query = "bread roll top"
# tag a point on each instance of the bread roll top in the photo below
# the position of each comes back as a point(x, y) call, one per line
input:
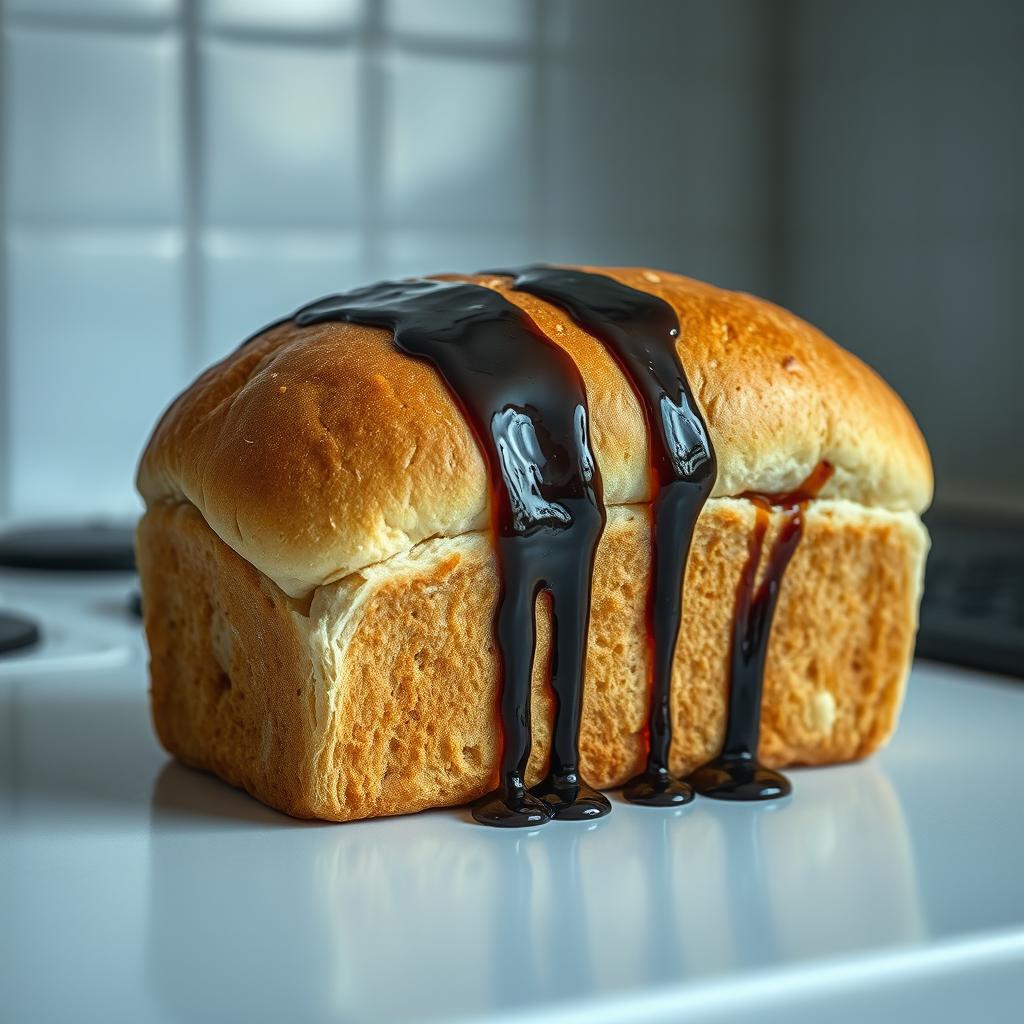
point(314, 452)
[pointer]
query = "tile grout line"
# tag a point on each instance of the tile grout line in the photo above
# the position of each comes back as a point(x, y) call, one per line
point(193, 347)
point(94, 24)
point(538, 220)
point(274, 37)
point(370, 128)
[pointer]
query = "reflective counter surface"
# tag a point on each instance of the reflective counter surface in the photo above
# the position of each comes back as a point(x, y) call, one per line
point(132, 888)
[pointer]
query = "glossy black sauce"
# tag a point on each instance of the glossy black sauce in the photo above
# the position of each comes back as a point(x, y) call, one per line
point(525, 401)
point(641, 332)
point(737, 774)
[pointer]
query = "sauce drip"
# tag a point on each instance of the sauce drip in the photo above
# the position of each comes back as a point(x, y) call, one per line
point(524, 398)
point(736, 774)
point(641, 331)
point(525, 401)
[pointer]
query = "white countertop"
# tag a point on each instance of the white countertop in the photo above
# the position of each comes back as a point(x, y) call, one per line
point(134, 889)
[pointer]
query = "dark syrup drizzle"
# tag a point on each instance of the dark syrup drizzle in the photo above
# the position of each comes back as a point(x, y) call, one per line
point(737, 774)
point(641, 331)
point(525, 400)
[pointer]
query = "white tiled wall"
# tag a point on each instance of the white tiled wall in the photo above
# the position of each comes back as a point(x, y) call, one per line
point(253, 276)
point(82, 383)
point(456, 141)
point(120, 163)
point(305, 15)
point(178, 172)
point(280, 126)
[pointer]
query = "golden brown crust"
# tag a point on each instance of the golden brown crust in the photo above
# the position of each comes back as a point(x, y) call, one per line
point(381, 699)
point(316, 452)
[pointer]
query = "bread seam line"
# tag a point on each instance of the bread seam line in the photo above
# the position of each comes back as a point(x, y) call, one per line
point(834, 507)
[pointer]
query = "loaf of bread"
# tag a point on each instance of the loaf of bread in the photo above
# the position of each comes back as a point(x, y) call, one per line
point(319, 576)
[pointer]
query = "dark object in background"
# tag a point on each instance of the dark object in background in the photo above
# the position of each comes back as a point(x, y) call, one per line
point(973, 608)
point(16, 633)
point(96, 548)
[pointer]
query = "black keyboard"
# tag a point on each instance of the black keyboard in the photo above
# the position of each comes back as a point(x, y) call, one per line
point(972, 612)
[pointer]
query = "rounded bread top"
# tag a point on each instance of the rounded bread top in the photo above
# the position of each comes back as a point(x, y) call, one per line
point(316, 451)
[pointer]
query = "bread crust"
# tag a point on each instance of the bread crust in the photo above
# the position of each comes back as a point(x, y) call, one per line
point(316, 452)
point(376, 694)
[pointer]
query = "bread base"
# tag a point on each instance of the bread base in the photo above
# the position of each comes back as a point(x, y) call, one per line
point(378, 695)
